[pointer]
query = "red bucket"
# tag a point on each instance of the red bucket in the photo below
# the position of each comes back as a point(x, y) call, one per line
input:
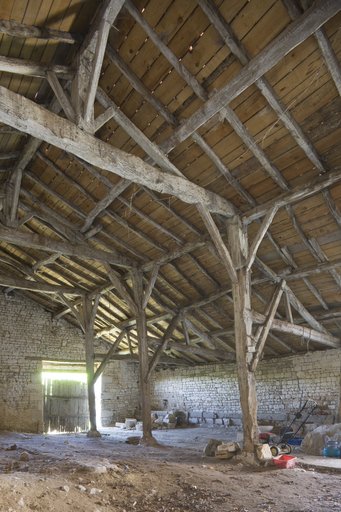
point(285, 461)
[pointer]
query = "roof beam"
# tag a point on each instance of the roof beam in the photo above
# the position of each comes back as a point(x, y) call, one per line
point(24, 284)
point(292, 36)
point(260, 235)
point(24, 114)
point(163, 345)
point(15, 29)
point(31, 68)
point(298, 193)
point(263, 333)
point(294, 301)
point(90, 59)
point(298, 330)
point(263, 85)
point(108, 355)
point(326, 48)
point(218, 242)
point(104, 203)
point(43, 243)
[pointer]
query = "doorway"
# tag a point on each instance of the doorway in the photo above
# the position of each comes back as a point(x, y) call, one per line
point(65, 397)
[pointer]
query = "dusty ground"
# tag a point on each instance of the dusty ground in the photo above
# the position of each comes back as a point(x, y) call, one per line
point(71, 472)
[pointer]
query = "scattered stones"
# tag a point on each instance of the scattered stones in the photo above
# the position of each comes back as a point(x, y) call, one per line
point(210, 448)
point(94, 491)
point(133, 440)
point(64, 488)
point(227, 450)
point(24, 457)
point(263, 452)
point(100, 469)
point(11, 447)
point(81, 488)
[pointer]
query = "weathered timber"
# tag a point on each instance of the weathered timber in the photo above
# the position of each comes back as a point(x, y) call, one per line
point(14, 183)
point(108, 355)
point(23, 284)
point(102, 119)
point(46, 261)
point(267, 326)
point(139, 85)
point(298, 330)
point(195, 349)
point(141, 325)
point(294, 301)
point(40, 242)
point(288, 309)
point(25, 115)
point(263, 85)
point(87, 311)
point(295, 10)
point(291, 37)
point(30, 68)
point(104, 203)
point(260, 235)
point(15, 29)
point(218, 242)
point(163, 345)
point(296, 194)
point(164, 360)
point(122, 288)
point(150, 285)
point(172, 255)
point(241, 291)
point(61, 95)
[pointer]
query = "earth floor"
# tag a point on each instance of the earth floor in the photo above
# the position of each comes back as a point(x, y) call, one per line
point(70, 472)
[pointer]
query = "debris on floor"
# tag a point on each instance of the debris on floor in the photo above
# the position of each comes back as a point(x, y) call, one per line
point(227, 450)
point(107, 475)
point(315, 441)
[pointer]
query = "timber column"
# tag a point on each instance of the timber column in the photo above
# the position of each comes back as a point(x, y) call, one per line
point(89, 312)
point(241, 291)
point(143, 357)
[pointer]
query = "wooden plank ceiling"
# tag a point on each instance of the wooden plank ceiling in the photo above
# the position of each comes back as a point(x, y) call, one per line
point(175, 80)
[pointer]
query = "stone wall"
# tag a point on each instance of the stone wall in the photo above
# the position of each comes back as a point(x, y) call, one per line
point(28, 335)
point(120, 392)
point(283, 384)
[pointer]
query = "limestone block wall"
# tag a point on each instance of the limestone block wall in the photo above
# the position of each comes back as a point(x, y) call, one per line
point(28, 335)
point(283, 384)
point(120, 392)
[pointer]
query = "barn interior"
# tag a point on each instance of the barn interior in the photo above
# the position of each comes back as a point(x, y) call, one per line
point(170, 252)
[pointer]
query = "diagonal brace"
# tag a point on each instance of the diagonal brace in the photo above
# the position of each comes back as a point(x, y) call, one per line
point(266, 328)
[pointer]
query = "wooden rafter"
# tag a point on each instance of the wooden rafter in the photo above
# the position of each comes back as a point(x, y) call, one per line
point(65, 134)
point(21, 30)
point(23, 284)
point(291, 37)
point(51, 245)
point(298, 330)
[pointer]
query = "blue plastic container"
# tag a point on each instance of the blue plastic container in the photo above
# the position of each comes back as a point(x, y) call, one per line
point(332, 449)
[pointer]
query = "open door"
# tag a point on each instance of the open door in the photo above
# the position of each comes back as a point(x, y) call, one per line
point(65, 397)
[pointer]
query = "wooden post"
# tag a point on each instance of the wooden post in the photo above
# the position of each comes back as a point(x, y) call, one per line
point(238, 245)
point(141, 325)
point(88, 322)
point(338, 413)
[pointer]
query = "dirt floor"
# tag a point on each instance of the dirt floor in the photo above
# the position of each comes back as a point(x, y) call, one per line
point(71, 472)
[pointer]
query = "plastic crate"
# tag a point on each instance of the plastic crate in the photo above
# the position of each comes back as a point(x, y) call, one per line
point(285, 461)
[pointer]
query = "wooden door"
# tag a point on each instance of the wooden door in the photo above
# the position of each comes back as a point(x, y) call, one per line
point(65, 406)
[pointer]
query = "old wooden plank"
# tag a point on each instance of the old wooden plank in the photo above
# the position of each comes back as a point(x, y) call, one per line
point(64, 134)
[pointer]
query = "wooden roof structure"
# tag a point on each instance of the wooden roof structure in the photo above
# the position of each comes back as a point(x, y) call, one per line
point(133, 132)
